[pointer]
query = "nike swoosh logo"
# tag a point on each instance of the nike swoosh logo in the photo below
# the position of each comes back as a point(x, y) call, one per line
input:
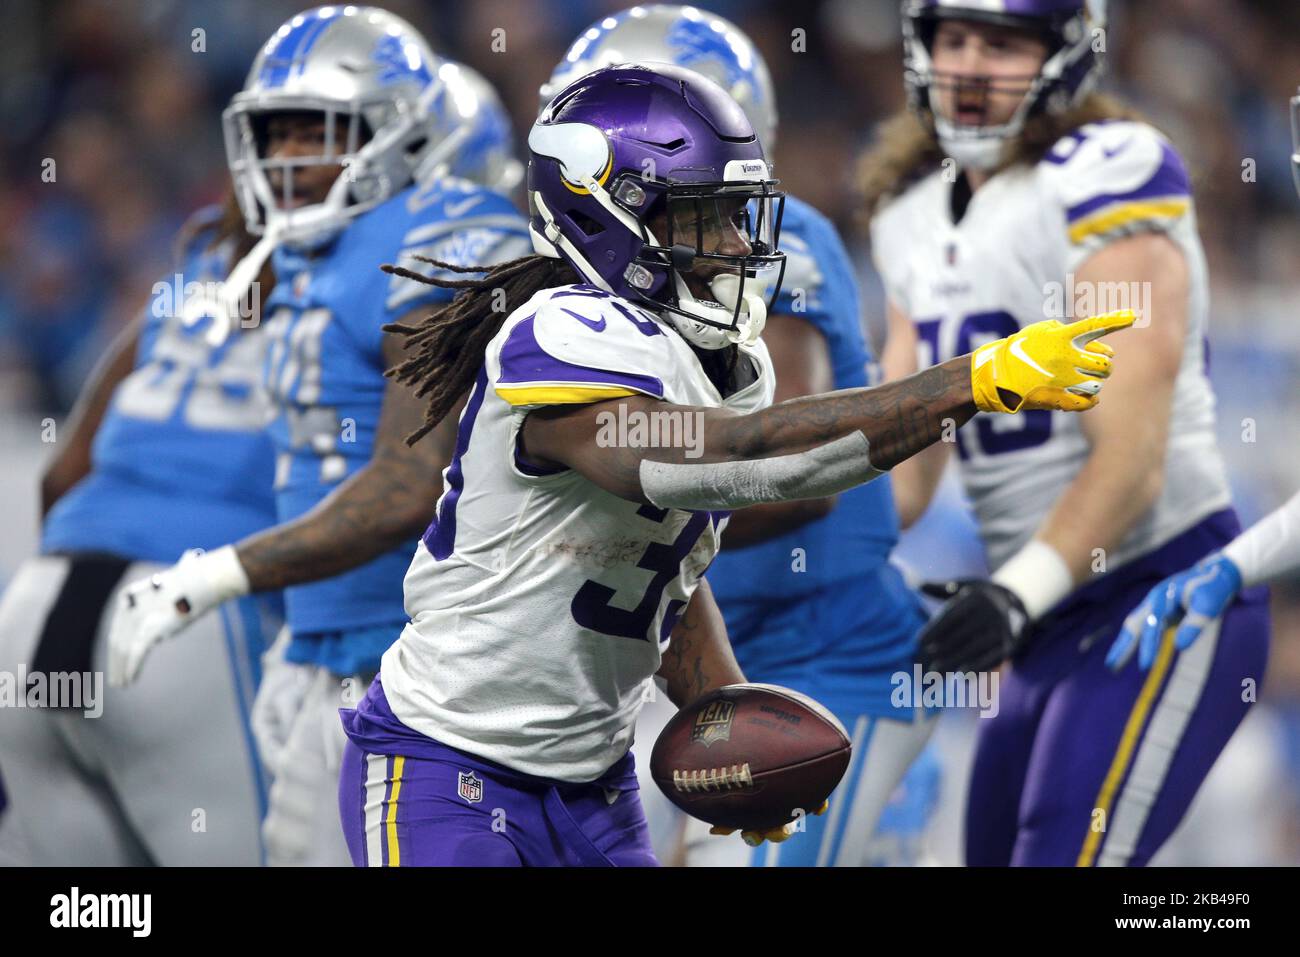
point(983, 358)
point(1018, 350)
point(456, 210)
point(597, 324)
point(1110, 152)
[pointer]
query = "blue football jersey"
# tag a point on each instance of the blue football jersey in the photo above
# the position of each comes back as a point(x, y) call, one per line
point(325, 372)
point(820, 288)
point(181, 459)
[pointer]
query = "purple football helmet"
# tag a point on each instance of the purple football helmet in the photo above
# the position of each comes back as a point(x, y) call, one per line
point(630, 147)
point(1074, 31)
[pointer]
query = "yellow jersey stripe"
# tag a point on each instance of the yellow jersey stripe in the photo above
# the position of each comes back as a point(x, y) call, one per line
point(1116, 217)
point(394, 851)
point(561, 394)
point(1128, 743)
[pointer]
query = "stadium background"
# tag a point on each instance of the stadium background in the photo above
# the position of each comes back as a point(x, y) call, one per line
point(118, 95)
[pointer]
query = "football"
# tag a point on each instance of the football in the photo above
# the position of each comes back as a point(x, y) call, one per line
point(750, 756)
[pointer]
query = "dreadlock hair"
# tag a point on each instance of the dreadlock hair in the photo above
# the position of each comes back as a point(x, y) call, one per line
point(447, 346)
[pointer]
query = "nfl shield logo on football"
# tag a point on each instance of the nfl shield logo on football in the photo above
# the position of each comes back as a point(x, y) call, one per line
point(713, 724)
point(469, 786)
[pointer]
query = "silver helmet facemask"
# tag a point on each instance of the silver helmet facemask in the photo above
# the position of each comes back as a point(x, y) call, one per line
point(702, 218)
point(380, 147)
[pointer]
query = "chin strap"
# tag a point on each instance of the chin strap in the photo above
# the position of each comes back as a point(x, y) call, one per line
point(224, 308)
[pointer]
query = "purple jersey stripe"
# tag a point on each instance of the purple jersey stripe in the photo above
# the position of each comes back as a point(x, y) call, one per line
point(440, 538)
point(1170, 179)
point(523, 360)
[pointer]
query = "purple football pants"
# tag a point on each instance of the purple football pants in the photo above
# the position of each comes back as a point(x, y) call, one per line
point(407, 800)
point(1085, 766)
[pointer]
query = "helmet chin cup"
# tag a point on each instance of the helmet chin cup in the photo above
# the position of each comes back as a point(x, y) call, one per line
point(708, 331)
point(977, 153)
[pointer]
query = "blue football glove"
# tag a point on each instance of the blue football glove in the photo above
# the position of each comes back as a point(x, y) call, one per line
point(1194, 597)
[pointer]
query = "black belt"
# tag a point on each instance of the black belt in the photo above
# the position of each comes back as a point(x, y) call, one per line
point(67, 638)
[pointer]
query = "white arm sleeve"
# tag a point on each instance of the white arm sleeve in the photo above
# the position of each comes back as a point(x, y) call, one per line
point(1270, 547)
point(825, 470)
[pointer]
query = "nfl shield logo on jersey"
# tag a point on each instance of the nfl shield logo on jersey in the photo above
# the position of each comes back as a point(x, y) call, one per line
point(714, 723)
point(469, 786)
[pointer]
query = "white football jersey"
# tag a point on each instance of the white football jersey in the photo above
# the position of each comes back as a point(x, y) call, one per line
point(540, 603)
point(1010, 262)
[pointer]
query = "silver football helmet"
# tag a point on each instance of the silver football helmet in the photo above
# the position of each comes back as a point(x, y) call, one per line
point(394, 114)
point(478, 142)
point(686, 36)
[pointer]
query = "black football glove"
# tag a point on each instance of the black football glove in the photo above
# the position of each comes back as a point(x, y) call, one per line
point(980, 626)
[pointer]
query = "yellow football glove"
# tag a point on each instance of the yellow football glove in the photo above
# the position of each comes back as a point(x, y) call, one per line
point(774, 834)
point(1048, 365)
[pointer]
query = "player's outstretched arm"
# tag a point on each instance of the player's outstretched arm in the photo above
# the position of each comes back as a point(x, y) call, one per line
point(821, 445)
point(386, 503)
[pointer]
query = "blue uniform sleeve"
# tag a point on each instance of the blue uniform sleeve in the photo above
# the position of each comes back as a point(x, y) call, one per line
point(462, 225)
point(454, 222)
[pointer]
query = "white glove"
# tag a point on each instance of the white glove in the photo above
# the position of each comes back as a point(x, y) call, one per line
point(279, 700)
point(159, 606)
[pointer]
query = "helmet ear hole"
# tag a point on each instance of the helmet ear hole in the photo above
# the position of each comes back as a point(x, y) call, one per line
point(589, 226)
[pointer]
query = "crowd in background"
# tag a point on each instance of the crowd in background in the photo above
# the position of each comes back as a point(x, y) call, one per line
point(110, 136)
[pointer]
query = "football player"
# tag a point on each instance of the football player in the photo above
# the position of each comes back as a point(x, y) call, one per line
point(817, 563)
point(570, 543)
point(348, 146)
point(1012, 191)
point(165, 450)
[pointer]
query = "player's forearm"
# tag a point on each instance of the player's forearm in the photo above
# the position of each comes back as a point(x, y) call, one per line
point(378, 509)
point(698, 658)
point(1117, 485)
point(811, 447)
point(898, 419)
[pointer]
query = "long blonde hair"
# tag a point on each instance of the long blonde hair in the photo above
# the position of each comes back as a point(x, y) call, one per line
point(908, 149)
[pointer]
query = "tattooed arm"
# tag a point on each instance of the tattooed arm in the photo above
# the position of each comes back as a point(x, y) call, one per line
point(897, 420)
point(819, 445)
point(386, 503)
point(699, 658)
